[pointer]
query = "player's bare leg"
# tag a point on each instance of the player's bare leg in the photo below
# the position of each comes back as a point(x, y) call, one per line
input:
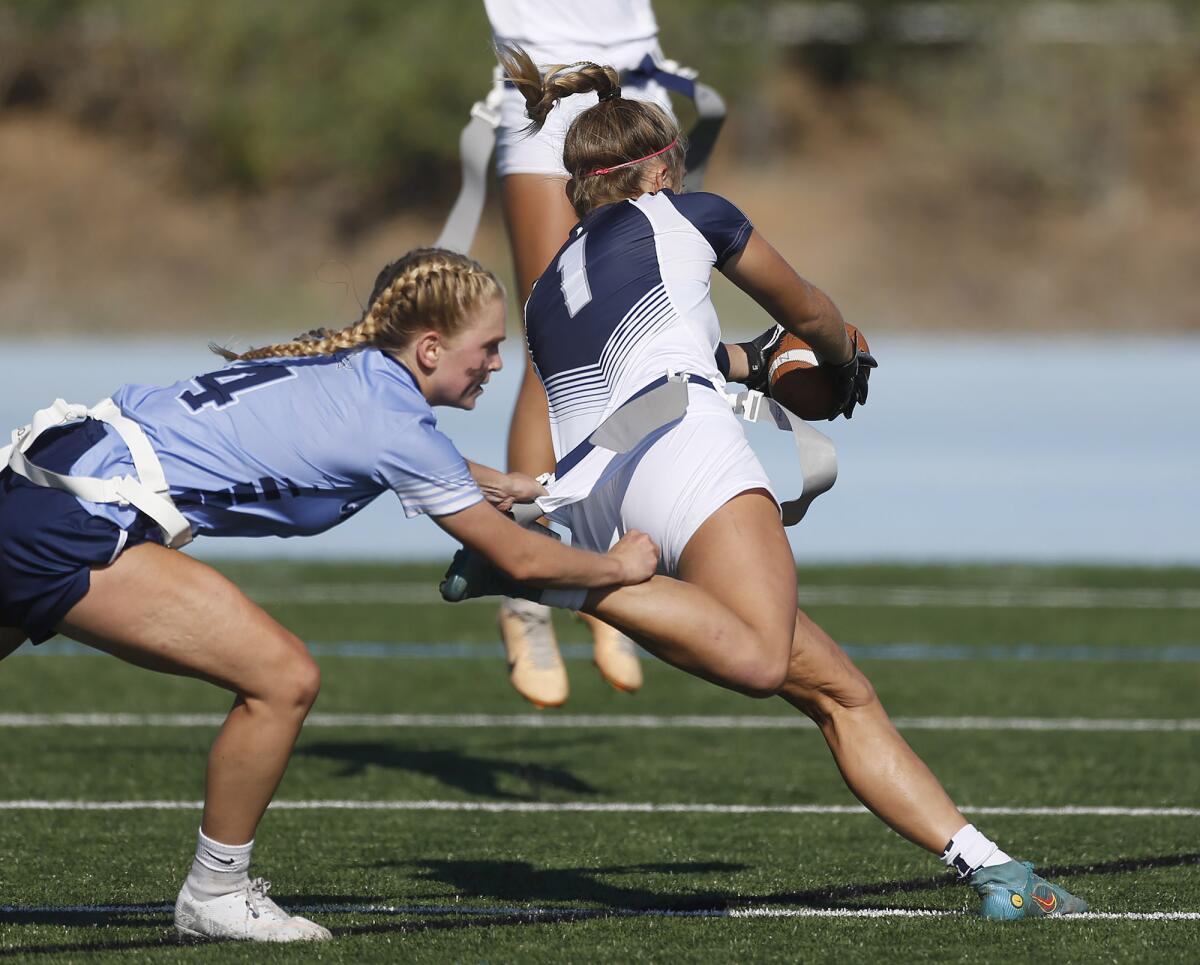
point(747, 635)
point(734, 633)
point(10, 639)
point(539, 218)
point(167, 612)
point(876, 762)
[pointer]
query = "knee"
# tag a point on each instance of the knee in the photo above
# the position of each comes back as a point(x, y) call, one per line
point(763, 674)
point(306, 683)
point(851, 691)
point(295, 678)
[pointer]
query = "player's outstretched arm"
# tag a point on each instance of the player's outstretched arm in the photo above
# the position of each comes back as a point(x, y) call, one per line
point(530, 557)
point(798, 305)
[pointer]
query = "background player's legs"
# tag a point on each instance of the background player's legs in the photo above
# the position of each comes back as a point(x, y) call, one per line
point(165, 611)
point(10, 639)
point(539, 218)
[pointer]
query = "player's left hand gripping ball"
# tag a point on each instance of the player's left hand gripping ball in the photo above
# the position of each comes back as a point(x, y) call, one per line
point(850, 379)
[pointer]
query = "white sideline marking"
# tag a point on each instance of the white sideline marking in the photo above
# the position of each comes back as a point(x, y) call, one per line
point(495, 911)
point(594, 807)
point(619, 721)
point(406, 594)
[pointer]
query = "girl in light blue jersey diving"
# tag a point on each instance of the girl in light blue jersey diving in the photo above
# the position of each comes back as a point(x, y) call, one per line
point(288, 440)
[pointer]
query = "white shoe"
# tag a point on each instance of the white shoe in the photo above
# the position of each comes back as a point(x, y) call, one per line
point(535, 666)
point(243, 915)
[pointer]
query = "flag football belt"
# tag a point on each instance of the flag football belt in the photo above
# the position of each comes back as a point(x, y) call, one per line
point(147, 491)
point(665, 400)
point(478, 139)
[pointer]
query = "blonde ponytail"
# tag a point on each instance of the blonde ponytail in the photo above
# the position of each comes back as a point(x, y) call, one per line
point(428, 288)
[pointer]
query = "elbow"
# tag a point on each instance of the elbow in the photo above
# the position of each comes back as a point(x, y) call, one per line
point(519, 563)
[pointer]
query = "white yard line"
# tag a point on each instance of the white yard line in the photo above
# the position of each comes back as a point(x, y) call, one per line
point(593, 807)
point(507, 911)
point(618, 722)
point(1049, 597)
point(907, 652)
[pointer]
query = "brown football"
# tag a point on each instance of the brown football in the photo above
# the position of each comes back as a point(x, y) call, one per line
point(797, 383)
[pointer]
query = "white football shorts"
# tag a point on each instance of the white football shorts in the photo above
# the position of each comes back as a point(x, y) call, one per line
point(674, 485)
point(518, 152)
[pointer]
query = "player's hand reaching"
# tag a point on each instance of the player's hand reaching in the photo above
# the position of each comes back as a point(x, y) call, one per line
point(850, 380)
point(502, 490)
point(638, 556)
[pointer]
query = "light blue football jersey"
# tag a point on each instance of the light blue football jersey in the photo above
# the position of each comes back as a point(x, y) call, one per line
point(288, 447)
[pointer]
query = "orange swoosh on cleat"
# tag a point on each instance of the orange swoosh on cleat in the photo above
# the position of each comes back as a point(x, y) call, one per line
point(1046, 904)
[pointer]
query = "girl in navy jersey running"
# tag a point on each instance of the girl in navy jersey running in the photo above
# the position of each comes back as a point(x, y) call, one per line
point(624, 306)
point(290, 440)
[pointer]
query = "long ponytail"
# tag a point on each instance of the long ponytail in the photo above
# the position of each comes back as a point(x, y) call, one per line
point(605, 141)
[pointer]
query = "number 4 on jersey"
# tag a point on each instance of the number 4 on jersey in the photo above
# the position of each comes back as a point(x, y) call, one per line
point(222, 388)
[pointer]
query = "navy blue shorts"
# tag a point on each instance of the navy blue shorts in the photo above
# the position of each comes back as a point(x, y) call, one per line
point(48, 542)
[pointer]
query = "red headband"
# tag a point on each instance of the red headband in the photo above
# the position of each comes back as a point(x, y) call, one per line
point(625, 164)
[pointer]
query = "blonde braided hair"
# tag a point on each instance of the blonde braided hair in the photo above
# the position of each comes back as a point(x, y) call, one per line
point(428, 288)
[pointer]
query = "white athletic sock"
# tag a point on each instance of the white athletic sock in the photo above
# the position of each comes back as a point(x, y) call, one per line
point(572, 599)
point(218, 868)
point(969, 850)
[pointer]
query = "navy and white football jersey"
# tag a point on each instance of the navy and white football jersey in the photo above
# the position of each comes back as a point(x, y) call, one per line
point(627, 299)
point(288, 447)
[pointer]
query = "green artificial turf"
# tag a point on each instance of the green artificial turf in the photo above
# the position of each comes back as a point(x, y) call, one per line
point(436, 885)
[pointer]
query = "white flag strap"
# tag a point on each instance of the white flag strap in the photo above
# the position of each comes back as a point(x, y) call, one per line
point(148, 491)
point(475, 146)
point(818, 456)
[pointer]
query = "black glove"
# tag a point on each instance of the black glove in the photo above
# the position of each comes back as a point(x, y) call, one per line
point(850, 380)
point(758, 357)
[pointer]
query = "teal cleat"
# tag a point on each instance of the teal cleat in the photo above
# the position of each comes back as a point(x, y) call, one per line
point(470, 576)
point(1012, 891)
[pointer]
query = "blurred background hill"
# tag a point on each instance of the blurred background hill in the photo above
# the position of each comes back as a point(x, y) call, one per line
point(222, 167)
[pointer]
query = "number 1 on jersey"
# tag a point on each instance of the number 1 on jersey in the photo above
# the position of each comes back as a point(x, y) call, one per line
point(572, 268)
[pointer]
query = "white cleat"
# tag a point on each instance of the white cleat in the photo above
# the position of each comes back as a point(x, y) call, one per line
point(535, 666)
point(615, 656)
point(246, 915)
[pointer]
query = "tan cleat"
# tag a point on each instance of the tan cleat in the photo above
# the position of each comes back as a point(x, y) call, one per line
point(246, 915)
point(615, 655)
point(535, 666)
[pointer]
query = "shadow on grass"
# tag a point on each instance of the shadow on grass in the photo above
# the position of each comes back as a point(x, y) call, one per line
point(519, 881)
point(473, 775)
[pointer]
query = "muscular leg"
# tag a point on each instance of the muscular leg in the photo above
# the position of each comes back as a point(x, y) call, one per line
point(736, 632)
point(731, 618)
point(10, 639)
point(165, 611)
point(876, 762)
